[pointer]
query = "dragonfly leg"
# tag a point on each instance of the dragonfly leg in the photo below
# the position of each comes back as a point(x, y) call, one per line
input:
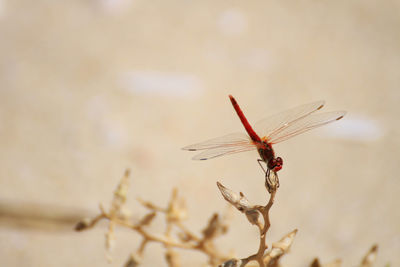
point(268, 181)
point(259, 162)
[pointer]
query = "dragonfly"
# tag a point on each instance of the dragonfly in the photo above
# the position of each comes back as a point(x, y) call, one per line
point(266, 133)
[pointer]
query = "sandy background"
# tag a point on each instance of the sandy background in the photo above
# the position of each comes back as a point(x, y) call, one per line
point(89, 88)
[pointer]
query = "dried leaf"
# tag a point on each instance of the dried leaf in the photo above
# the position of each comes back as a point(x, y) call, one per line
point(120, 195)
point(149, 205)
point(176, 210)
point(83, 224)
point(172, 258)
point(146, 220)
point(285, 243)
point(335, 263)
point(370, 257)
point(253, 216)
point(231, 263)
point(280, 248)
point(315, 263)
point(133, 261)
point(214, 227)
point(239, 201)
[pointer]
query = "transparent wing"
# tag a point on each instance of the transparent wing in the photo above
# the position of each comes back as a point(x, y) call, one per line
point(276, 123)
point(305, 124)
point(221, 151)
point(224, 145)
point(229, 140)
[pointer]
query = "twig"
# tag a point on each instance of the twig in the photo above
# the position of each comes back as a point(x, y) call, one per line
point(174, 213)
point(252, 212)
point(264, 210)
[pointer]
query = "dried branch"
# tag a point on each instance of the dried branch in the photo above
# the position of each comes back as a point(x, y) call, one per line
point(174, 213)
point(252, 213)
point(110, 240)
point(367, 260)
point(177, 236)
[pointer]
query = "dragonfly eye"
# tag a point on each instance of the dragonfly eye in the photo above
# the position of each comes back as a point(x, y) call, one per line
point(278, 162)
point(277, 168)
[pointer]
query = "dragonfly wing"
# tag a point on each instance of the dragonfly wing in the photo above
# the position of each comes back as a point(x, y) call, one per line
point(221, 151)
point(227, 144)
point(233, 139)
point(276, 123)
point(305, 124)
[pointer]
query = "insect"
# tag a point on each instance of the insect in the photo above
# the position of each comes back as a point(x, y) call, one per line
point(268, 132)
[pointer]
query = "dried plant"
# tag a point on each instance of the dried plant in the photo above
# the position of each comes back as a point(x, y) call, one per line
point(367, 260)
point(177, 236)
point(253, 213)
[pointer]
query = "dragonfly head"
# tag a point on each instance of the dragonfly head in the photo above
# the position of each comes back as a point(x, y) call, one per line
point(275, 164)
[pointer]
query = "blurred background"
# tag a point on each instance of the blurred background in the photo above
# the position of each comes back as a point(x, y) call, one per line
point(89, 88)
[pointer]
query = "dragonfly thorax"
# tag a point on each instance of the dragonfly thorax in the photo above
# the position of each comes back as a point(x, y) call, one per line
point(267, 154)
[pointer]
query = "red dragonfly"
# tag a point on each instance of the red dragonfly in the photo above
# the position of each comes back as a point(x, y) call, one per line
point(272, 130)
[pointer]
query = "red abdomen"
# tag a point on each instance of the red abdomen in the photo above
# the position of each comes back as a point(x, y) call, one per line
point(244, 121)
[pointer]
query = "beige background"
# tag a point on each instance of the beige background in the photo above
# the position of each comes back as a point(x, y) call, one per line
point(89, 88)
